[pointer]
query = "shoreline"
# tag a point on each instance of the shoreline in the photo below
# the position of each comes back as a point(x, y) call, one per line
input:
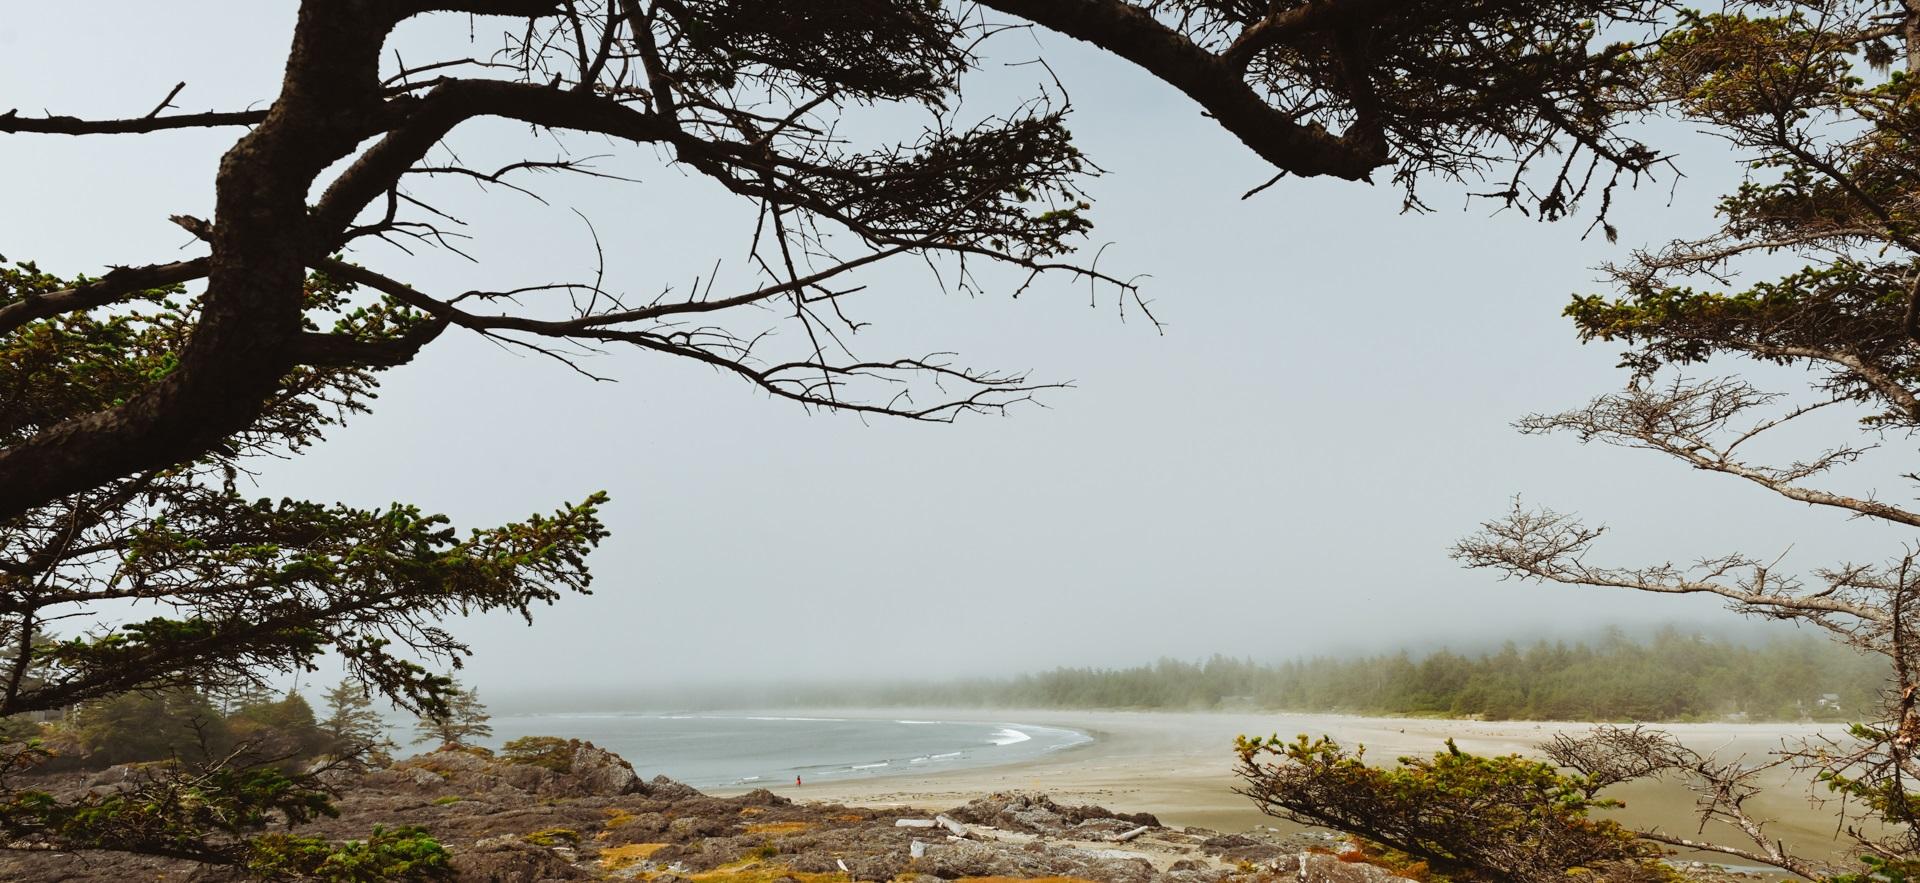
point(1179, 767)
point(744, 750)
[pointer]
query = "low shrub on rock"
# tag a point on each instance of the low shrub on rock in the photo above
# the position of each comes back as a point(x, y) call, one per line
point(546, 752)
point(390, 854)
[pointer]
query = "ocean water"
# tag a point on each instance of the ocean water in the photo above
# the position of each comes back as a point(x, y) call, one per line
point(747, 750)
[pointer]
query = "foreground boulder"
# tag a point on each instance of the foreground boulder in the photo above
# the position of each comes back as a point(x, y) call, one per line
point(1037, 813)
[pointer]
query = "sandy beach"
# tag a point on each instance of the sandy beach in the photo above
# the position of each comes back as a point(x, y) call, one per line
point(1179, 766)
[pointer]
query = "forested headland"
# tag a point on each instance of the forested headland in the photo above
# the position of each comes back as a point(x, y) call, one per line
point(1669, 675)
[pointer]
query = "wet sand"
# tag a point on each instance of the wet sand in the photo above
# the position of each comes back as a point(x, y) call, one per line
point(1179, 766)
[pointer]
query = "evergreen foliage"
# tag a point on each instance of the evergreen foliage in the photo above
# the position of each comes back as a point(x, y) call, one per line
point(402, 853)
point(185, 727)
point(547, 752)
point(458, 722)
point(252, 586)
point(135, 727)
point(1506, 819)
point(133, 402)
point(354, 732)
point(245, 588)
point(1814, 263)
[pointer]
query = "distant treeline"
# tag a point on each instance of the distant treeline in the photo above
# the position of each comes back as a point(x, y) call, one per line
point(1669, 676)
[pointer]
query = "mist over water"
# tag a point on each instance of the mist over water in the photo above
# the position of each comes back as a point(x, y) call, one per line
point(749, 750)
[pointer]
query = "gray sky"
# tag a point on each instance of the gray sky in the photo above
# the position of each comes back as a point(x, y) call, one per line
point(1280, 473)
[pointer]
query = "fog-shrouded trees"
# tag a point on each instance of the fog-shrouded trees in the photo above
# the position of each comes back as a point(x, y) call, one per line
point(354, 731)
point(133, 399)
point(1819, 100)
point(457, 723)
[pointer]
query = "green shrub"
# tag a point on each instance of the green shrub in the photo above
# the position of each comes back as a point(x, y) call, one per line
point(1480, 818)
point(554, 837)
point(18, 729)
point(546, 752)
point(390, 854)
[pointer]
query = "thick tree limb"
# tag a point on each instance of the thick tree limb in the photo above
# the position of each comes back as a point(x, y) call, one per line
point(1215, 82)
point(250, 315)
point(117, 284)
point(1876, 376)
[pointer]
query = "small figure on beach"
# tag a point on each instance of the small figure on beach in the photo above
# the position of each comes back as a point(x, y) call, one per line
point(796, 781)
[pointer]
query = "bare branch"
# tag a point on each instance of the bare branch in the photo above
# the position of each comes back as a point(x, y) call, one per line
point(12, 123)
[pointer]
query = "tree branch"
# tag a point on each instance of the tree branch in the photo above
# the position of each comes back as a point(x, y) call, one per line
point(118, 283)
point(1772, 858)
point(11, 123)
point(454, 101)
point(1215, 82)
point(342, 350)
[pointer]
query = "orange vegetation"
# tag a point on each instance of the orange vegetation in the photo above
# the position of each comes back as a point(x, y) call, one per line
point(614, 858)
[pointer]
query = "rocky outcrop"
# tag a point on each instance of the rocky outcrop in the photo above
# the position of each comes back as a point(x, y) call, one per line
point(595, 819)
point(510, 859)
point(1036, 813)
point(969, 859)
point(597, 773)
point(590, 772)
point(1242, 848)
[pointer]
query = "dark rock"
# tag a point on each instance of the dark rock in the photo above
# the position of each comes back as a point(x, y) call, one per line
point(509, 859)
point(882, 867)
point(1317, 867)
point(1235, 848)
point(814, 863)
point(598, 772)
point(526, 777)
point(1038, 814)
point(952, 860)
point(694, 827)
point(760, 797)
point(643, 828)
point(663, 788)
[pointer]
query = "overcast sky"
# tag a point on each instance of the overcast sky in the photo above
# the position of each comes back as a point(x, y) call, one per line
point(1280, 473)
